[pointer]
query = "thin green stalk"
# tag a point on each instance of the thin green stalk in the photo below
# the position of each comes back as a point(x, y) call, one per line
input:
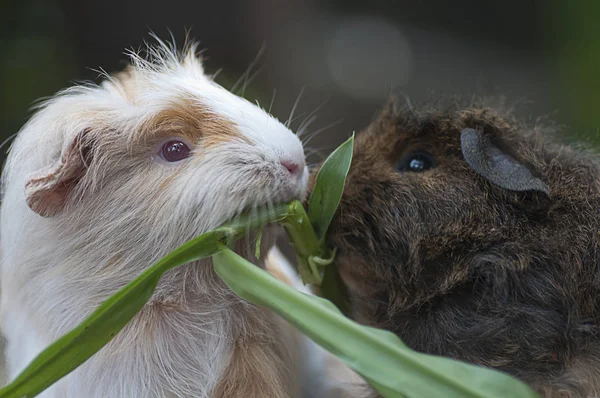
point(304, 240)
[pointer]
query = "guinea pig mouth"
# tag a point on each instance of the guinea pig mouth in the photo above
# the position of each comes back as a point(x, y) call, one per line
point(269, 194)
point(252, 215)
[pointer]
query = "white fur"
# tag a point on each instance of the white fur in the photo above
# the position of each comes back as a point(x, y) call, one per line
point(55, 271)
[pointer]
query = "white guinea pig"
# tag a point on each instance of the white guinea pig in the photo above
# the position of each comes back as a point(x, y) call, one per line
point(105, 180)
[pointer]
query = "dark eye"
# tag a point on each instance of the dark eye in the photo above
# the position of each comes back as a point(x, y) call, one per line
point(416, 162)
point(174, 151)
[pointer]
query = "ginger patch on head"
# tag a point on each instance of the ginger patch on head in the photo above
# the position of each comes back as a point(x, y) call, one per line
point(190, 119)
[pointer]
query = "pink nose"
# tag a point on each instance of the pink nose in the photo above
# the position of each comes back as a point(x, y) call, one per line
point(292, 167)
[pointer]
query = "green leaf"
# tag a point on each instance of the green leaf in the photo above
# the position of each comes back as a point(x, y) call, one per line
point(379, 356)
point(74, 348)
point(322, 205)
point(329, 187)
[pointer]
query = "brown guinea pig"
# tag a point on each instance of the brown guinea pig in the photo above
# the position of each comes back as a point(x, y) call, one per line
point(474, 236)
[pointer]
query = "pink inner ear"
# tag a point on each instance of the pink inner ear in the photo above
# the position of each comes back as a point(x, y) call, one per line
point(47, 190)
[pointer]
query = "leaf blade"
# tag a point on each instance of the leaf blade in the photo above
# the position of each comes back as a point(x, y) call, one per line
point(379, 356)
point(74, 348)
point(329, 187)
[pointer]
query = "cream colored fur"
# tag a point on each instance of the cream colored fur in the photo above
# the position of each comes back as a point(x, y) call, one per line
point(195, 338)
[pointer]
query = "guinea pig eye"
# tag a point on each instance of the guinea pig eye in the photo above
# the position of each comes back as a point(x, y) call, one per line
point(174, 151)
point(416, 162)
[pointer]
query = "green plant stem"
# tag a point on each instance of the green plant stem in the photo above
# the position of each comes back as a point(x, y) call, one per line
point(256, 219)
point(304, 240)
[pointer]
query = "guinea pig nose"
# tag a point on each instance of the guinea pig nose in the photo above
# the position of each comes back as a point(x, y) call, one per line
point(291, 166)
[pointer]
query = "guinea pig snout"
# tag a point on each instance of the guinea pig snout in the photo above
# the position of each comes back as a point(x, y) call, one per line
point(291, 166)
point(294, 167)
point(293, 175)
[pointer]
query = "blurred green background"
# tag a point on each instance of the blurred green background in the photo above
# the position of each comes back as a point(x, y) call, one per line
point(542, 55)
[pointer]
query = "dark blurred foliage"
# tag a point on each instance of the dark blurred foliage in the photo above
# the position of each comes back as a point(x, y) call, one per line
point(541, 55)
point(575, 28)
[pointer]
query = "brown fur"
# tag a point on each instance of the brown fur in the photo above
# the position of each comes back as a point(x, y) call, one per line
point(190, 120)
point(457, 266)
point(255, 366)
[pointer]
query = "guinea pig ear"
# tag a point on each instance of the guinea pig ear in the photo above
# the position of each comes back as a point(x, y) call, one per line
point(496, 166)
point(47, 190)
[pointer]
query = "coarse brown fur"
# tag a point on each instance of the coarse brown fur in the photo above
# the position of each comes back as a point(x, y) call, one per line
point(459, 267)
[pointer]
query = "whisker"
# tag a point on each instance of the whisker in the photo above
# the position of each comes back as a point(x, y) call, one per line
point(311, 114)
point(289, 121)
point(250, 79)
point(244, 75)
point(272, 99)
point(216, 74)
point(305, 125)
point(319, 131)
point(298, 116)
point(318, 151)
